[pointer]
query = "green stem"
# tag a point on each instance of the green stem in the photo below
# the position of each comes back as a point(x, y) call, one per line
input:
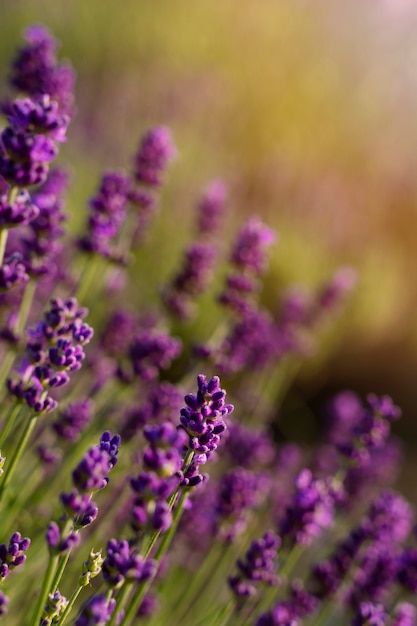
point(63, 560)
point(69, 606)
point(199, 583)
point(86, 283)
point(142, 589)
point(43, 594)
point(21, 445)
point(224, 614)
point(3, 242)
point(10, 419)
point(25, 306)
point(5, 367)
point(120, 600)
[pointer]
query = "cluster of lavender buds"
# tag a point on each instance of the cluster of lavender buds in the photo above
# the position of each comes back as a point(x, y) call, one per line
point(89, 476)
point(12, 555)
point(54, 348)
point(202, 420)
point(194, 276)
point(209, 518)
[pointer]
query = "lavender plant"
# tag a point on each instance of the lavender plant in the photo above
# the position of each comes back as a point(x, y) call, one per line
point(206, 519)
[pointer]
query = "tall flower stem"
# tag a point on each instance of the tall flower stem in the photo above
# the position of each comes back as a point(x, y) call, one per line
point(25, 306)
point(87, 284)
point(199, 583)
point(25, 435)
point(69, 606)
point(3, 242)
point(43, 594)
point(9, 421)
point(142, 589)
point(63, 560)
point(4, 231)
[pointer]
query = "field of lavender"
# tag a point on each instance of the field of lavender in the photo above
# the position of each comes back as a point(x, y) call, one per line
point(145, 474)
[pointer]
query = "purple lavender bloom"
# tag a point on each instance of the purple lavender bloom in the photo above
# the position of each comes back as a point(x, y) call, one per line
point(311, 510)
point(58, 542)
point(20, 212)
point(162, 461)
point(252, 342)
point(162, 404)
point(54, 607)
point(202, 420)
point(13, 554)
point(389, 519)
point(27, 146)
point(73, 419)
point(257, 566)
point(248, 447)
point(96, 611)
point(122, 563)
point(281, 615)
point(118, 333)
point(42, 245)
point(344, 412)
point(239, 492)
point(152, 351)
point(13, 273)
point(375, 575)
point(371, 431)
point(211, 207)
point(108, 214)
point(36, 70)
point(163, 455)
point(407, 574)
point(249, 249)
point(370, 614)
point(303, 602)
point(192, 280)
point(405, 614)
point(342, 283)
point(149, 605)
point(80, 507)
point(91, 473)
point(155, 152)
point(290, 612)
point(111, 445)
point(53, 349)
point(4, 601)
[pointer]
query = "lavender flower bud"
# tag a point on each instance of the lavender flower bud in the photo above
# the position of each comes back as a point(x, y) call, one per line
point(154, 154)
point(12, 555)
point(91, 568)
point(96, 611)
point(53, 608)
point(20, 212)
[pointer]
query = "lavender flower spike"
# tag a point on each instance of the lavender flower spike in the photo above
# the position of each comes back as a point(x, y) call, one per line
point(96, 611)
point(202, 421)
point(155, 152)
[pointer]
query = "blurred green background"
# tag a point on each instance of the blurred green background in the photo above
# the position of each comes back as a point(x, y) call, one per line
point(305, 108)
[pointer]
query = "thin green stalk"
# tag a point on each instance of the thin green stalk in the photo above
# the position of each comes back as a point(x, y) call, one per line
point(199, 583)
point(45, 589)
point(25, 306)
point(10, 419)
point(69, 606)
point(87, 281)
point(63, 560)
point(5, 368)
point(224, 614)
point(325, 612)
point(26, 433)
point(120, 600)
point(3, 242)
point(143, 588)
